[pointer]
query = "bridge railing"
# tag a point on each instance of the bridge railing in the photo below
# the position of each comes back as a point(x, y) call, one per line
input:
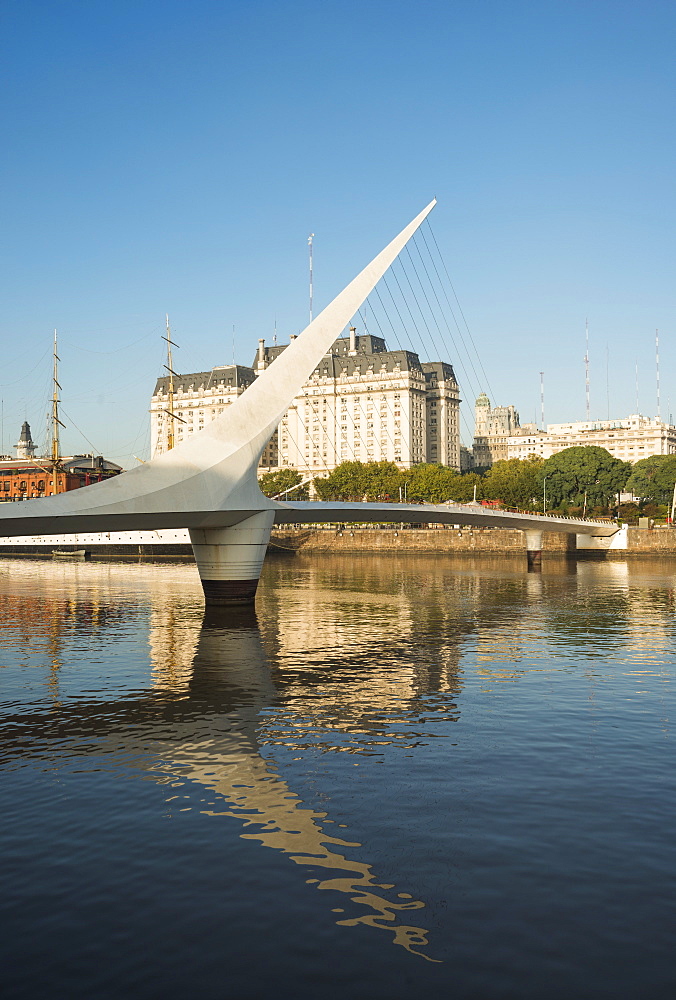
point(505, 509)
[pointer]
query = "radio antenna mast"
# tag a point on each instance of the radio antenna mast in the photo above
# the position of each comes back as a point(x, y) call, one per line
point(586, 366)
point(309, 243)
point(542, 399)
point(636, 374)
point(657, 369)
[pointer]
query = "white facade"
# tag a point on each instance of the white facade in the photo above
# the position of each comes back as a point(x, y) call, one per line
point(630, 439)
point(362, 403)
point(198, 399)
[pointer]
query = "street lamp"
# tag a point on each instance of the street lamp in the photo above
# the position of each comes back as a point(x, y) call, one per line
point(544, 494)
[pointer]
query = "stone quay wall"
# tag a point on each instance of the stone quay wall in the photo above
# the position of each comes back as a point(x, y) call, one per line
point(651, 542)
point(392, 539)
point(463, 541)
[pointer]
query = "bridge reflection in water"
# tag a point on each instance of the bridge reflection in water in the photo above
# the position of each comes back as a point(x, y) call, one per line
point(349, 661)
point(231, 676)
point(219, 698)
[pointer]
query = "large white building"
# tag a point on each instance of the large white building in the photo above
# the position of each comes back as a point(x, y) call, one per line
point(630, 439)
point(361, 403)
point(197, 399)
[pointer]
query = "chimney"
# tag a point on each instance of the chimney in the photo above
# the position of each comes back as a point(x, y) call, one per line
point(293, 336)
point(353, 340)
point(261, 353)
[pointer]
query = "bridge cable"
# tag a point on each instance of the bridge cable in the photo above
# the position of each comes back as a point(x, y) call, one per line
point(462, 418)
point(390, 404)
point(436, 345)
point(450, 334)
point(469, 332)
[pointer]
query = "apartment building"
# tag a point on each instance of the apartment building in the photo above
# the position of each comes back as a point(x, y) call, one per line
point(630, 439)
point(362, 402)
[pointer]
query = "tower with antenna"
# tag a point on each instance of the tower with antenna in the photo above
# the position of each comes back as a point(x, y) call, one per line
point(636, 384)
point(586, 367)
point(657, 370)
point(309, 243)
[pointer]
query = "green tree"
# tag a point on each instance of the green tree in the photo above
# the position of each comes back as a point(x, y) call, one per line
point(383, 480)
point(429, 483)
point(653, 478)
point(348, 481)
point(274, 483)
point(462, 487)
point(584, 471)
point(516, 481)
point(354, 481)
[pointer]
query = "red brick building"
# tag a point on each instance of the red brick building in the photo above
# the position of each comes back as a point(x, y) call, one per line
point(31, 478)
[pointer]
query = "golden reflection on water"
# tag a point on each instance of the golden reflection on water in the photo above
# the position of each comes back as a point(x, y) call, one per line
point(229, 645)
point(193, 658)
point(338, 660)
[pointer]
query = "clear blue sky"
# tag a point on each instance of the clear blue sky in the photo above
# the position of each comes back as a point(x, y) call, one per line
point(163, 156)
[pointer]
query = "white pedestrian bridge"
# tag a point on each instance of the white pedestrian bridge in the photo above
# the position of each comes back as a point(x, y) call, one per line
point(208, 484)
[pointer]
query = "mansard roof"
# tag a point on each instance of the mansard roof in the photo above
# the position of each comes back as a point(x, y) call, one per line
point(366, 344)
point(333, 366)
point(231, 376)
point(439, 369)
point(371, 355)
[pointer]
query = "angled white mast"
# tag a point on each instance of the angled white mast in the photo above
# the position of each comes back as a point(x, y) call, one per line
point(210, 479)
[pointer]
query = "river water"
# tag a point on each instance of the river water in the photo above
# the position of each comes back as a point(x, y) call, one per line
point(399, 778)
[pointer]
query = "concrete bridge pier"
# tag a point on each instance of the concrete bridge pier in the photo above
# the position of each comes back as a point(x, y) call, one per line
point(534, 549)
point(230, 560)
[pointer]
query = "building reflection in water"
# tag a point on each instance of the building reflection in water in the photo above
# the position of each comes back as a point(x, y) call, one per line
point(346, 656)
point(198, 721)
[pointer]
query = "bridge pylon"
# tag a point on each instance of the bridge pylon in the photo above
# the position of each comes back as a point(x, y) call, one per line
point(230, 560)
point(534, 549)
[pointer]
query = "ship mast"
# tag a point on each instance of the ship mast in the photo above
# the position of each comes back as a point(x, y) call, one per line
point(170, 395)
point(56, 423)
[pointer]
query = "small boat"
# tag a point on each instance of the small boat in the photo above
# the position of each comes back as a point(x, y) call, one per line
point(79, 555)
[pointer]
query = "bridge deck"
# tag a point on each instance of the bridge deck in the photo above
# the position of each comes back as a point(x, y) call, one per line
point(315, 512)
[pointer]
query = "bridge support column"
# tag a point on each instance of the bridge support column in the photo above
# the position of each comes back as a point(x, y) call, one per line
point(230, 560)
point(534, 549)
